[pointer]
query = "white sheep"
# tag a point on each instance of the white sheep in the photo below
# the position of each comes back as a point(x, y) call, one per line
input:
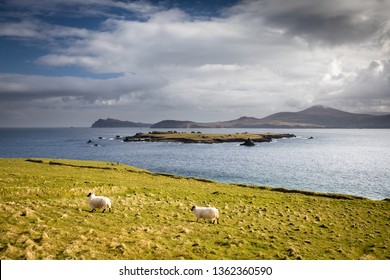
point(100, 202)
point(206, 213)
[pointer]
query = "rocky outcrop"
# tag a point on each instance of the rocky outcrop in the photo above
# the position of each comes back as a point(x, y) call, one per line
point(248, 142)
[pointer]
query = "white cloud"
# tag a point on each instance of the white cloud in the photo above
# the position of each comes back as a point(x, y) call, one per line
point(78, 8)
point(259, 58)
point(366, 89)
point(35, 29)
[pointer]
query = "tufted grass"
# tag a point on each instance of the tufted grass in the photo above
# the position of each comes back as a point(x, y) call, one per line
point(44, 214)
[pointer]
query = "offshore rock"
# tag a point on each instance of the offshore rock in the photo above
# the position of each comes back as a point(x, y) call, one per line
point(248, 142)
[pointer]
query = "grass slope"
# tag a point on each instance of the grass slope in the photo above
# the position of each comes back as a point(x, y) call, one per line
point(44, 214)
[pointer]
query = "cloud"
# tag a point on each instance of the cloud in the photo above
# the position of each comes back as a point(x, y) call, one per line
point(370, 89)
point(172, 39)
point(258, 58)
point(78, 8)
point(31, 100)
point(333, 22)
point(367, 89)
point(16, 87)
point(38, 30)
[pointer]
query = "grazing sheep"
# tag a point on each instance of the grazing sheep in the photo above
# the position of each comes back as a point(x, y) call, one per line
point(99, 202)
point(206, 213)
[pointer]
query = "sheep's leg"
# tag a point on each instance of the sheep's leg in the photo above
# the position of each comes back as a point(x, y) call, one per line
point(197, 219)
point(104, 210)
point(93, 210)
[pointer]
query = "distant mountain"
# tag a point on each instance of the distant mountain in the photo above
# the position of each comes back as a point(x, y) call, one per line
point(177, 124)
point(327, 117)
point(117, 123)
point(313, 117)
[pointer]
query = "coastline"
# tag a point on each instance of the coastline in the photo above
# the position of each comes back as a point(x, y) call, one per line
point(59, 162)
point(336, 161)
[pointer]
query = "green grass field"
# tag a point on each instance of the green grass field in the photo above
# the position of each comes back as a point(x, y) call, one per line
point(45, 215)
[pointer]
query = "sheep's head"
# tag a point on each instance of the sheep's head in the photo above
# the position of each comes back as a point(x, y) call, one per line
point(193, 208)
point(91, 193)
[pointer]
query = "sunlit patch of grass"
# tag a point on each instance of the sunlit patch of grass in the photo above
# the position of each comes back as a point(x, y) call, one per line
point(45, 215)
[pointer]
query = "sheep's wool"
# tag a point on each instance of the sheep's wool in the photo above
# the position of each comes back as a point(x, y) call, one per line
point(206, 213)
point(99, 202)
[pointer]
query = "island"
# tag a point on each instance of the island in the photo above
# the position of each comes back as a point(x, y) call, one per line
point(198, 137)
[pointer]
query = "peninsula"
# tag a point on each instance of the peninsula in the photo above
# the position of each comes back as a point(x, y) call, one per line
point(198, 137)
point(118, 123)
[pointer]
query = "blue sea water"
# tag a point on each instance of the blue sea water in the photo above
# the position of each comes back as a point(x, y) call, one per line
point(346, 161)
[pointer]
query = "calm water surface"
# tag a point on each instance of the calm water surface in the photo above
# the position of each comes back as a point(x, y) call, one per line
point(352, 161)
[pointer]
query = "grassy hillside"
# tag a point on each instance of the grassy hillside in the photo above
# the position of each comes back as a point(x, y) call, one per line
point(44, 214)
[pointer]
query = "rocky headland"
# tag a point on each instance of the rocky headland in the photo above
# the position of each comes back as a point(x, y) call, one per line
point(118, 123)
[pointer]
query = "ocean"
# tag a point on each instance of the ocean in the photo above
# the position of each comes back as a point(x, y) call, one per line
point(345, 161)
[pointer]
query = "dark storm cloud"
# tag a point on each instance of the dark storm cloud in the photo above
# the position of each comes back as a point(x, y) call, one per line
point(336, 30)
point(366, 90)
point(332, 21)
point(371, 87)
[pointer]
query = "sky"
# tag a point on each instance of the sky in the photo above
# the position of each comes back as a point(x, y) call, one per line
point(69, 63)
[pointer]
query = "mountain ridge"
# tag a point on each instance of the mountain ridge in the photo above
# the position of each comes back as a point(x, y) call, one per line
point(314, 117)
point(109, 122)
